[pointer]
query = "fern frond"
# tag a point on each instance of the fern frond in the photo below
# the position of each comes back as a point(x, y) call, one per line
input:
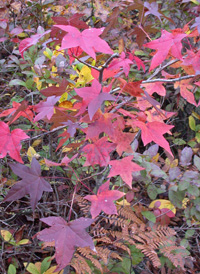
point(80, 265)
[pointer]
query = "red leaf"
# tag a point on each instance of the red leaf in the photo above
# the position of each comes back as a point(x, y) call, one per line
point(19, 110)
point(74, 21)
point(153, 131)
point(93, 98)
point(184, 85)
point(32, 183)
point(124, 168)
point(104, 200)
point(46, 109)
point(168, 42)
point(10, 142)
point(137, 60)
point(65, 161)
point(106, 73)
point(155, 87)
point(123, 140)
point(103, 124)
point(123, 62)
point(57, 91)
point(194, 60)
point(28, 42)
point(66, 236)
point(98, 152)
point(88, 40)
point(132, 88)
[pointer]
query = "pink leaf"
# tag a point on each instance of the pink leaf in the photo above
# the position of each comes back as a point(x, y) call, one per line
point(104, 200)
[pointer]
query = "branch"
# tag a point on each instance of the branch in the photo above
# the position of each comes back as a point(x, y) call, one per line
point(83, 62)
point(169, 80)
point(163, 67)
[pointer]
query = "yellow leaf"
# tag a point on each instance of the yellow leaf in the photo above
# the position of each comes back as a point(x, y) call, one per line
point(66, 149)
point(66, 104)
point(156, 157)
point(123, 203)
point(23, 242)
point(185, 202)
point(32, 153)
point(85, 75)
point(58, 8)
point(51, 271)
point(22, 35)
point(38, 83)
point(32, 268)
point(7, 236)
point(36, 143)
point(63, 97)
point(54, 70)
point(171, 164)
point(56, 52)
point(48, 53)
point(195, 2)
point(163, 204)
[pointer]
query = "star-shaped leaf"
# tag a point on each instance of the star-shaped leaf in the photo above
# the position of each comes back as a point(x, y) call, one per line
point(153, 131)
point(28, 42)
point(10, 142)
point(123, 62)
point(32, 183)
point(18, 110)
point(98, 152)
point(46, 109)
point(167, 42)
point(184, 86)
point(124, 168)
point(103, 201)
point(88, 40)
point(93, 98)
point(66, 236)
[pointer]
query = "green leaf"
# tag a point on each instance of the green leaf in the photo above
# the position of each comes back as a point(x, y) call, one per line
point(12, 269)
point(149, 215)
point(192, 122)
point(183, 185)
point(136, 255)
point(15, 82)
point(193, 190)
point(152, 192)
point(176, 197)
point(179, 141)
point(198, 137)
point(45, 264)
point(189, 233)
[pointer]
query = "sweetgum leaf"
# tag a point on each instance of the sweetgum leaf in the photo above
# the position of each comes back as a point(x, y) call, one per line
point(167, 42)
point(32, 183)
point(93, 98)
point(88, 40)
point(124, 168)
point(104, 200)
point(66, 237)
point(10, 142)
point(98, 152)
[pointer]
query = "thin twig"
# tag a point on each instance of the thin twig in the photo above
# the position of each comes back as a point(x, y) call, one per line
point(169, 80)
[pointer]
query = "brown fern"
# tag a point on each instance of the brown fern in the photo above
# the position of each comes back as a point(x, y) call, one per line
point(113, 234)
